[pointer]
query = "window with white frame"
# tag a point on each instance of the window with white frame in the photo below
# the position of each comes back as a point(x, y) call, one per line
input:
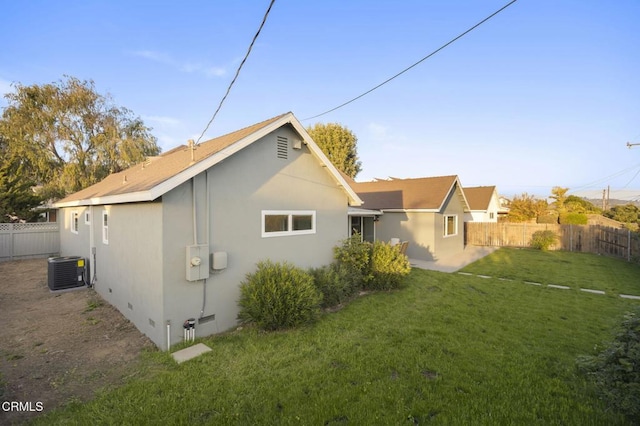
point(105, 227)
point(87, 217)
point(280, 223)
point(74, 222)
point(450, 225)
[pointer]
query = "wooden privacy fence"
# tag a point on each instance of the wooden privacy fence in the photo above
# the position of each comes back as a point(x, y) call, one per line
point(598, 239)
point(26, 240)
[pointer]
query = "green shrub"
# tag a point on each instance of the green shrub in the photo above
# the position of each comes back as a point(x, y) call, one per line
point(355, 256)
point(335, 284)
point(616, 370)
point(278, 295)
point(547, 218)
point(388, 267)
point(543, 240)
point(573, 219)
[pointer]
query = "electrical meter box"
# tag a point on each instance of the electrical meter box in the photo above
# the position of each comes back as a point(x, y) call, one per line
point(197, 262)
point(219, 260)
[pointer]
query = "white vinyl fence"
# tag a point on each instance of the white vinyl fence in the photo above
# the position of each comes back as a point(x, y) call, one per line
point(28, 240)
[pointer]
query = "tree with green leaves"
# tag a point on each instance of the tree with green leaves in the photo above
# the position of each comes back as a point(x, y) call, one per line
point(559, 194)
point(575, 204)
point(627, 213)
point(339, 144)
point(526, 207)
point(65, 136)
point(17, 198)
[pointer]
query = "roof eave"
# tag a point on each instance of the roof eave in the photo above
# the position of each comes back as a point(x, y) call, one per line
point(131, 197)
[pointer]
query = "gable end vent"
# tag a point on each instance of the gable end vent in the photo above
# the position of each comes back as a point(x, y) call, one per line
point(282, 148)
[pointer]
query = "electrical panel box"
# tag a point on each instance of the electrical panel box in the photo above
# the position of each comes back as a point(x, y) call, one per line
point(219, 260)
point(197, 262)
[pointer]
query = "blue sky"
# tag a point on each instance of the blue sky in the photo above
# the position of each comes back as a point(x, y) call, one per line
point(546, 93)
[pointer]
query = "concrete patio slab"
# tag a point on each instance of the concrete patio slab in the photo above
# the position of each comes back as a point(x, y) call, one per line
point(454, 263)
point(191, 352)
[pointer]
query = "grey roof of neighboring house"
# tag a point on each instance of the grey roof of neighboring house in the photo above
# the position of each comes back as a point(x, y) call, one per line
point(158, 175)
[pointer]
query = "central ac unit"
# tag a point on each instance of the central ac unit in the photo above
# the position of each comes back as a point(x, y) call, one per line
point(67, 272)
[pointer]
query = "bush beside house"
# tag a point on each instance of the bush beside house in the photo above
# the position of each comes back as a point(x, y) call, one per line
point(280, 295)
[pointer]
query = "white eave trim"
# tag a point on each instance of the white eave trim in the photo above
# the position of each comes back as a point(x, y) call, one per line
point(130, 197)
point(411, 210)
point(358, 211)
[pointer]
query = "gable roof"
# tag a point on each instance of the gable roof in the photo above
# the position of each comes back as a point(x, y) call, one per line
point(479, 197)
point(158, 175)
point(424, 194)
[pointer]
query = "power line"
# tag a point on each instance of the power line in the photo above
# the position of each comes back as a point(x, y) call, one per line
point(255, 37)
point(631, 180)
point(606, 178)
point(416, 63)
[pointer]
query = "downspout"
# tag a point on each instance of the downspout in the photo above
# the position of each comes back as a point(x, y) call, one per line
point(207, 229)
point(92, 249)
point(193, 209)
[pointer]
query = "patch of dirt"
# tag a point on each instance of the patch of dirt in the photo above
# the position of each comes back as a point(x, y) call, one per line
point(58, 347)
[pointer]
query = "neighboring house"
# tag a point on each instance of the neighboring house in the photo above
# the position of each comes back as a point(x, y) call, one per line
point(427, 212)
point(484, 204)
point(172, 238)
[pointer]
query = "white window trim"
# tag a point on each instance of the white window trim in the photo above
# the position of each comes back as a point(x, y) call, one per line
point(290, 214)
point(87, 217)
point(105, 235)
point(75, 222)
point(455, 225)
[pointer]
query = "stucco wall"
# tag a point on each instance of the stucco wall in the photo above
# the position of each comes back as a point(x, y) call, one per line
point(72, 244)
point(425, 230)
point(128, 268)
point(452, 244)
point(415, 227)
point(240, 188)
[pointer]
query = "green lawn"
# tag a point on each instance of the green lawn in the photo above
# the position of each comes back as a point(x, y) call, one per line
point(447, 349)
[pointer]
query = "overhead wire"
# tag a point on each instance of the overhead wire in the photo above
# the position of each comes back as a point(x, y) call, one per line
point(235, 77)
point(611, 176)
point(414, 64)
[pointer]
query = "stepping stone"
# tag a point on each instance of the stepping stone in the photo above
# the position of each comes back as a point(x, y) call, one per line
point(465, 273)
point(505, 279)
point(484, 276)
point(588, 290)
point(628, 296)
point(561, 287)
point(529, 282)
point(189, 353)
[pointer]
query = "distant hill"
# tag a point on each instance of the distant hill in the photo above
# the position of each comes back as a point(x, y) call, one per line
point(612, 202)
